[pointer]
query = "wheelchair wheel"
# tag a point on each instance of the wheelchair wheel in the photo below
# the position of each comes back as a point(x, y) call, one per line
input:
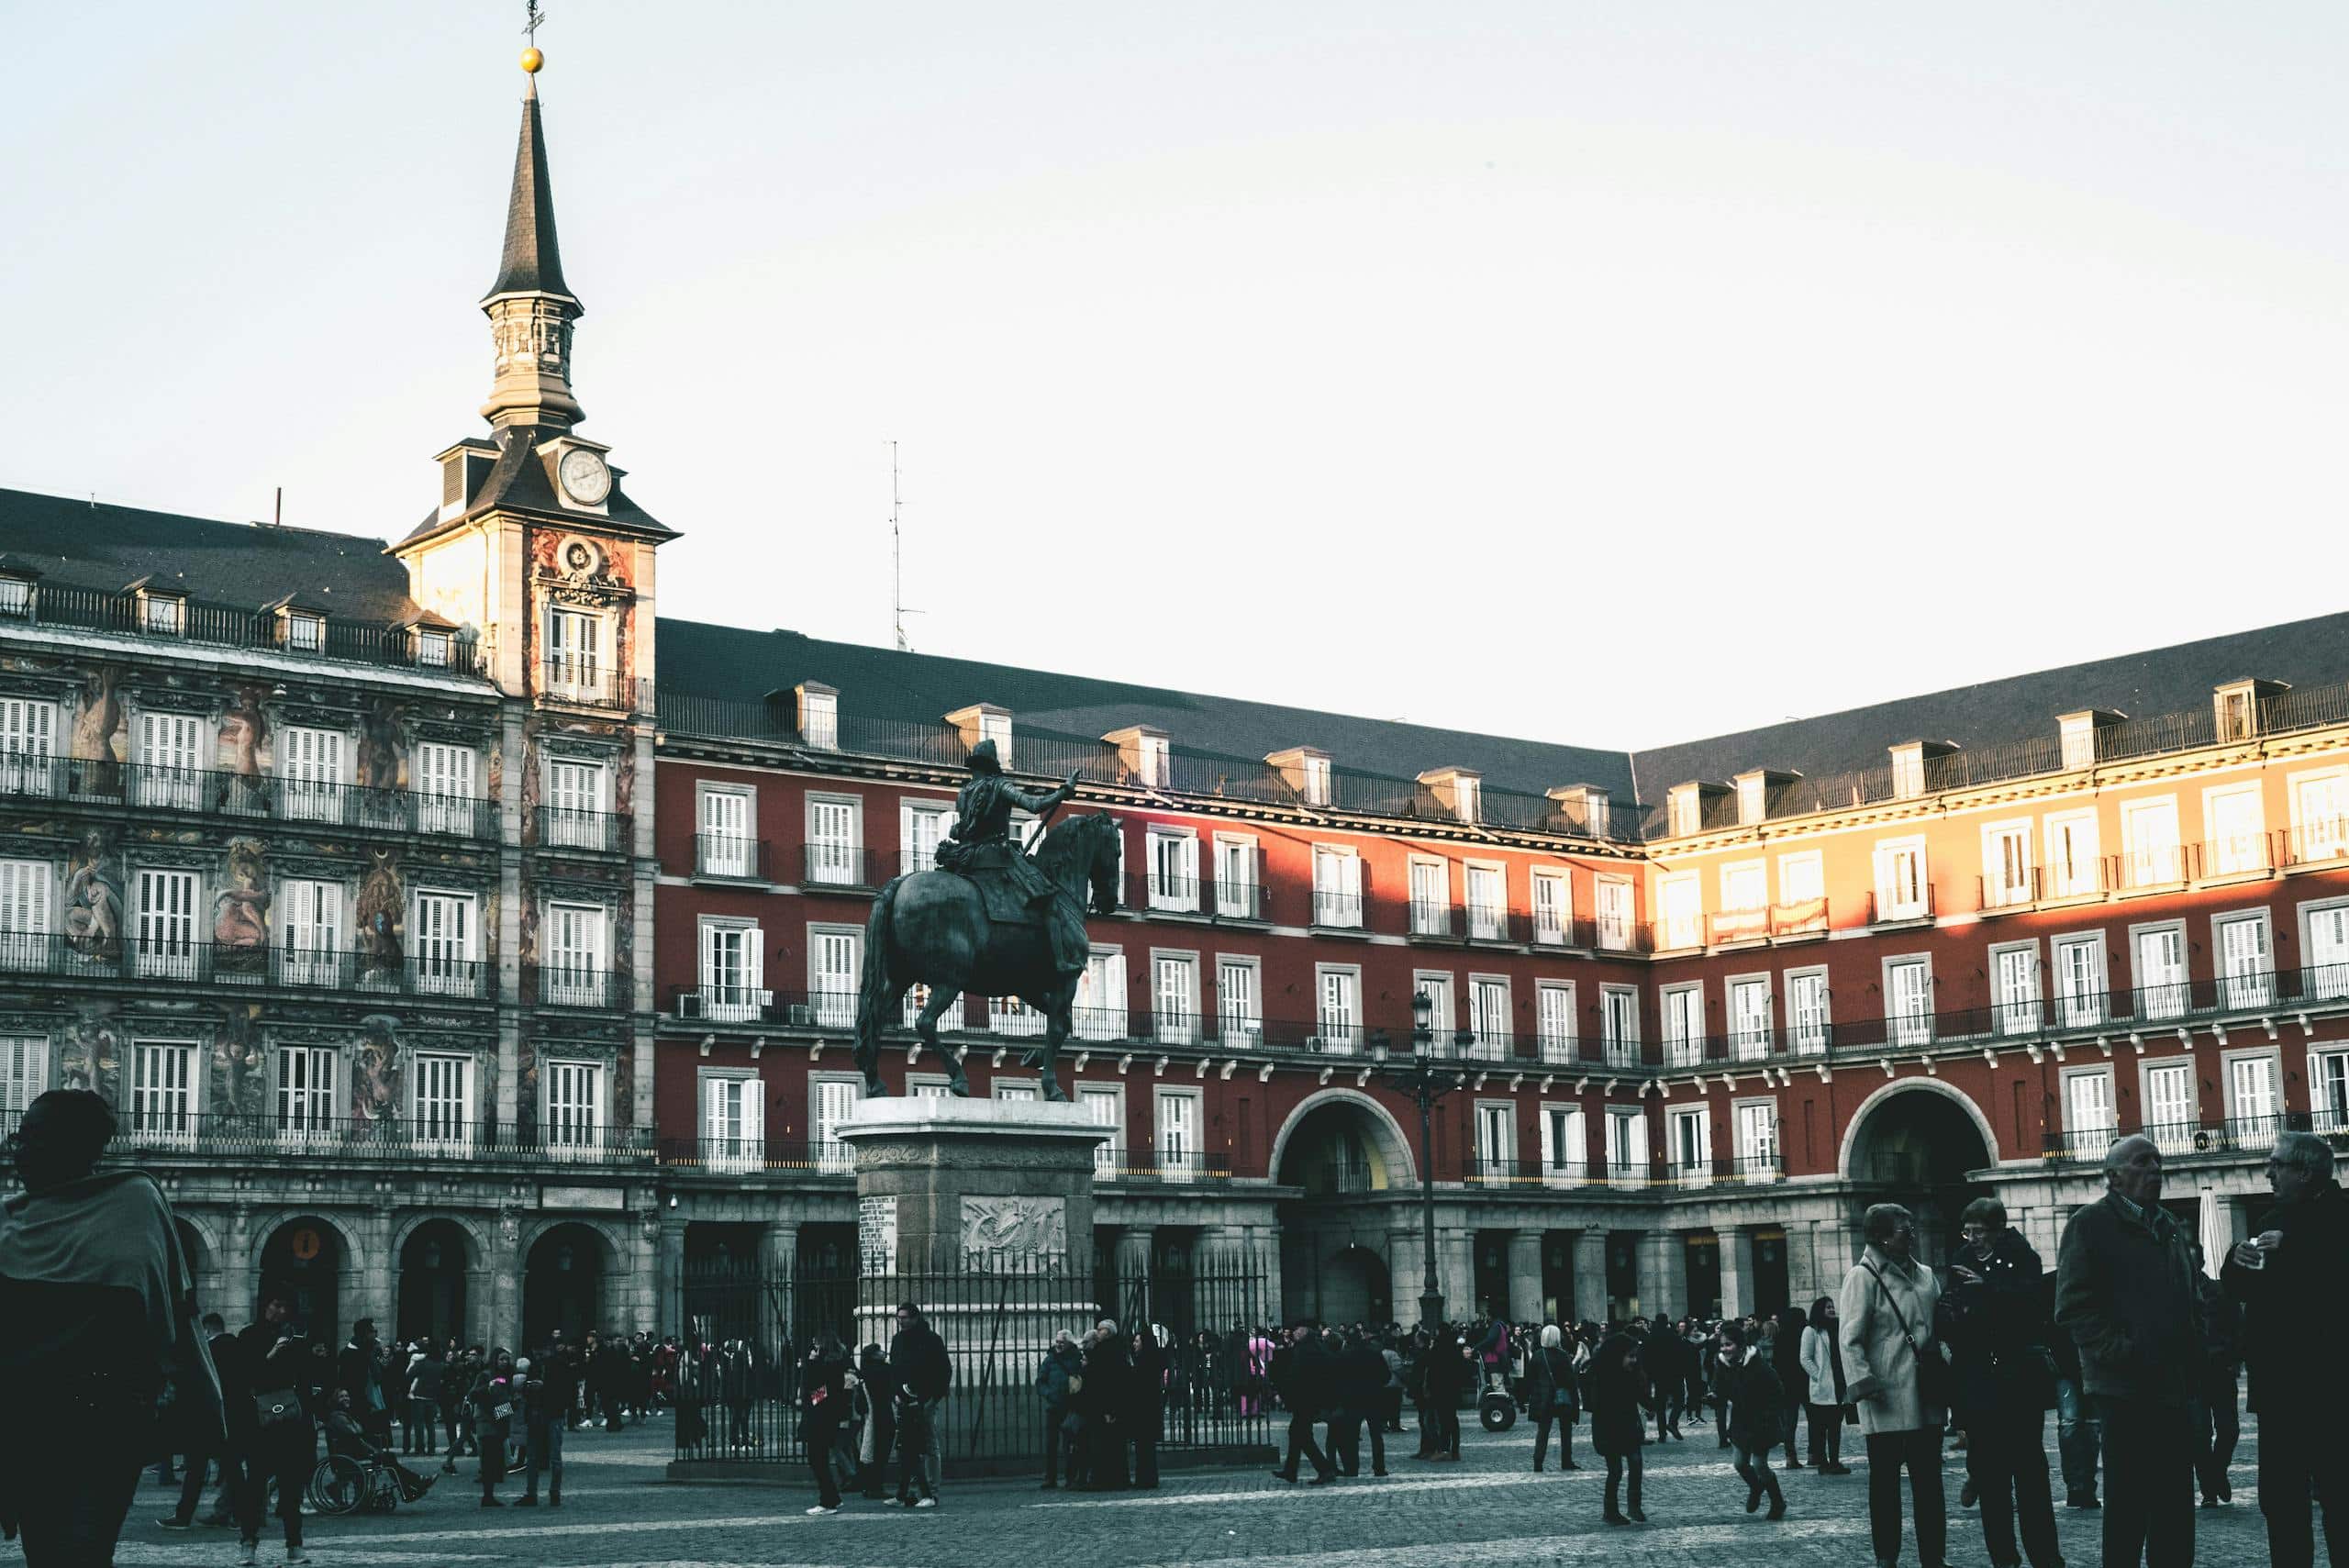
point(338, 1485)
point(384, 1489)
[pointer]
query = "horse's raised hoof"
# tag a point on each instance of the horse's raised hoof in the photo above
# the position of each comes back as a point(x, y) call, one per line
point(959, 1087)
point(1052, 1092)
point(874, 1089)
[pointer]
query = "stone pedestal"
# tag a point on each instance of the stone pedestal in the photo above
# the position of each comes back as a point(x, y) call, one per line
point(945, 1185)
point(981, 1212)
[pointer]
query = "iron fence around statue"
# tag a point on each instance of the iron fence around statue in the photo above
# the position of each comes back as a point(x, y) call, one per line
point(749, 1331)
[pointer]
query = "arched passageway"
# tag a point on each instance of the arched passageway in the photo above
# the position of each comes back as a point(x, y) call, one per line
point(563, 1283)
point(304, 1257)
point(1917, 1146)
point(434, 1261)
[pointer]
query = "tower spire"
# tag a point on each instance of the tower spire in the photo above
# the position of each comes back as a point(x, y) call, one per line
point(531, 309)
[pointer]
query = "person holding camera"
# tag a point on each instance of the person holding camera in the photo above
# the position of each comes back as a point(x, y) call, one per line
point(1991, 1318)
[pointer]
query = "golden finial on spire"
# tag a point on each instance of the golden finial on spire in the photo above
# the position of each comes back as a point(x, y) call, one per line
point(532, 58)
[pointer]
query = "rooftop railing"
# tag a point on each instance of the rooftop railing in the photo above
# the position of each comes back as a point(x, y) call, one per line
point(340, 640)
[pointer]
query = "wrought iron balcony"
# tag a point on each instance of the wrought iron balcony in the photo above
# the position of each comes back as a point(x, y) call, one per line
point(150, 788)
point(846, 868)
point(581, 986)
point(730, 857)
point(149, 1128)
point(361, 971)
point(565, 828)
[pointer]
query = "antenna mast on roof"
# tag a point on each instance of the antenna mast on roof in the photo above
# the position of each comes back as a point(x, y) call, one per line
point(898, 611)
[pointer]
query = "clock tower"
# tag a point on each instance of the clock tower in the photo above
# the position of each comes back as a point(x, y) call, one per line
point(536, 544)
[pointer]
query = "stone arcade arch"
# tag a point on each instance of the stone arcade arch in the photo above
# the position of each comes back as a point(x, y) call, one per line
point(567, 1274)
point(1353, 1163)
point(440, 1258)
point(1917, 1141)
point(312, 1257)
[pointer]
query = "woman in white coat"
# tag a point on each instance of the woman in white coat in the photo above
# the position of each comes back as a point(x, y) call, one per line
point(1886, 1290)
point(1823, 1370)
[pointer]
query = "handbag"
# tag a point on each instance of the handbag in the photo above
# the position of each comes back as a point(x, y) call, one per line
point(276, 1408)
point(1936, 1384)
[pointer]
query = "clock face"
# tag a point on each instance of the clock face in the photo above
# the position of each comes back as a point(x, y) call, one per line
point(585, 477)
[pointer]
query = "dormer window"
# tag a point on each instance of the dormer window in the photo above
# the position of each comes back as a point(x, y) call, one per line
point(1317, 781)
point(306, 632)
point(434, 648)
point(985, 721)
point(1144, 753)
point(161, 614)
point(2077, 731)
point(1306, 771)
point(1908, 772)
point(15, 595)
point(820, 715)
point(1456, 790)
point(1682, 816)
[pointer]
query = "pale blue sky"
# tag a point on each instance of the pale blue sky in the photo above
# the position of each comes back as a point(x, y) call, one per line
point(1360, 356)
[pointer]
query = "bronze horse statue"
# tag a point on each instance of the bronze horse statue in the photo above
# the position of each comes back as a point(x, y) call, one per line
point(931, 929)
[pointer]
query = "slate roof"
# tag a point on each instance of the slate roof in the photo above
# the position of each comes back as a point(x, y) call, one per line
point(244, 564)
point(532, 261)
point(2155, 681)
point(729, 663)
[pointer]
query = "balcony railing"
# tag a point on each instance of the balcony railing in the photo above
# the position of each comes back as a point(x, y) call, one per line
point(1152, 893)
point(144, 1130)
point(148, 787)
point(591, 683)
point(1337, 911)
point(581, 986)
point(1245, 900)
point(849, 867)
point(564, 828)
point(1885, 908)
point(64, 607)
point(733, 857)
point(1114, 1163)
point(220, 963)
point(2228, 1137)
point(1434, 919)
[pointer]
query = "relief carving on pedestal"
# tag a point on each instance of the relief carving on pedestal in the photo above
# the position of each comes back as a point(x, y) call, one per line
point(1013, 1228)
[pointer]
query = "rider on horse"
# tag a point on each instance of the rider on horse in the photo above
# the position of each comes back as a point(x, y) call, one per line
point(980, 843)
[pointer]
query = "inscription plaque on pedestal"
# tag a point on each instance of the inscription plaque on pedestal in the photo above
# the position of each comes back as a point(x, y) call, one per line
point(876, 1235)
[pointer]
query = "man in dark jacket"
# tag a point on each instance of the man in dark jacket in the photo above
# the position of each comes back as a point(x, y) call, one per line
point(1060, 1363)
point(2124, 1291)
point(1359, 1398)
point(2291, 1279)
point(1990, 1317)
point(924, 1373)
point(2212, 1413)
point(1301, 1374)
point(359, 1372)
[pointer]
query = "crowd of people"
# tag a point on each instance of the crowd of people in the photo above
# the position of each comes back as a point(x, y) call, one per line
point(2133, 1341)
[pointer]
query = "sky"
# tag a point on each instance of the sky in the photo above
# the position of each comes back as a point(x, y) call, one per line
point(1610, 373)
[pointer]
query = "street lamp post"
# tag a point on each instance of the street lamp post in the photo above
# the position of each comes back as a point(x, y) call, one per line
point(1425, 1084)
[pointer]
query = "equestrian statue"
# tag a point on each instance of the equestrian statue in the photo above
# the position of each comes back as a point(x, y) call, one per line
point(991, 920)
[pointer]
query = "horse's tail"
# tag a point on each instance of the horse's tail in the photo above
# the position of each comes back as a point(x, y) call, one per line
point(875, 977)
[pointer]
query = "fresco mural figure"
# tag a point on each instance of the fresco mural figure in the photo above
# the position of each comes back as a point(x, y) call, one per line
point(94, 901)
point(375, 1072)
point(98, 736)
point(379, 918)
point(241, 912)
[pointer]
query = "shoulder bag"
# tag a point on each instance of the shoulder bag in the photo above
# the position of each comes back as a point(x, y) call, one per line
point(1936, 1381)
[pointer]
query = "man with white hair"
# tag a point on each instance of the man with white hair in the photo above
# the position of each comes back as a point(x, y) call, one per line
point(2125, 1292)
point(2291, 1278)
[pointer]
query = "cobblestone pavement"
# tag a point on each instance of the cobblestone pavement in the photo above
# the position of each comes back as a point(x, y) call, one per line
point(1489, 1512)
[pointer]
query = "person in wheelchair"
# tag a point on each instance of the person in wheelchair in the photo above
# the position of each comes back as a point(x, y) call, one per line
point(346, 1438)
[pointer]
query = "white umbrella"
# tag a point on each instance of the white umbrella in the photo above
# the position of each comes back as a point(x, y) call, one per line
point(2216, 1234)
